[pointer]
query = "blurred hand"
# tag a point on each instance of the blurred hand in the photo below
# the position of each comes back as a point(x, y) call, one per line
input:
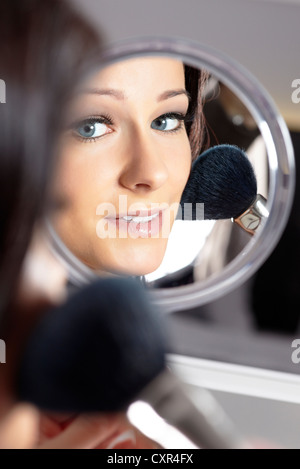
point(92, 431)
point(19, 427)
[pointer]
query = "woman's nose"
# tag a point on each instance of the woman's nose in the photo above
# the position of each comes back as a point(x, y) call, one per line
point(145, 166)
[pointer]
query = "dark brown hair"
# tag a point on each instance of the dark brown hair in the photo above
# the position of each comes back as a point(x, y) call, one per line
point(44, 46)
point(195, 81)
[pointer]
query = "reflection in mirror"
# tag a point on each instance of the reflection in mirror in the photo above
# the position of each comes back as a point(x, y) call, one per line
point(210, 245)
point(124, 158)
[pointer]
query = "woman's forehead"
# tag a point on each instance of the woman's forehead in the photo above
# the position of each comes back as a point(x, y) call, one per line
point(145, 72)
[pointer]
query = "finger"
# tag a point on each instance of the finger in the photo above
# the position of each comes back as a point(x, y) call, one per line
point(85, 432)
point(19, 429)
point(128, 437)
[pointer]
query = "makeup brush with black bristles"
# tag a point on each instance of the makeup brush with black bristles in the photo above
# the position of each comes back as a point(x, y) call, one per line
point(223, 180)
point(104, 349)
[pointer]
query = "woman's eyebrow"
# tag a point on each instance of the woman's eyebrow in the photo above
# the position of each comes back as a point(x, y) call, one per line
point(172, 93)
point(117, 94)
point(120, 96)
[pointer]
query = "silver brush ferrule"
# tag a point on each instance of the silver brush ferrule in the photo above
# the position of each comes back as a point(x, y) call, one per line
point(251, 219)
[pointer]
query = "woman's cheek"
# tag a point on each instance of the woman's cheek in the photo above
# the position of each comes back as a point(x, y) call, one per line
point(181, 168)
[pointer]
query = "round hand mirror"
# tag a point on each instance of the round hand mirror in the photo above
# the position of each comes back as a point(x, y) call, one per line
point(131, 135)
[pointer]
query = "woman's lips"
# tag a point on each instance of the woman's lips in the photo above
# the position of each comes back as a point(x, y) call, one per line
point(144, 225)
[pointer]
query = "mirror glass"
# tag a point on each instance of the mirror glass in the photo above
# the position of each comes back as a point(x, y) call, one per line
point(131, 134)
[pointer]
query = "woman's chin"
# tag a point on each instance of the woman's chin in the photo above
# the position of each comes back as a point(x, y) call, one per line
point(132, 265)
point(143, 260)
point(136, 269)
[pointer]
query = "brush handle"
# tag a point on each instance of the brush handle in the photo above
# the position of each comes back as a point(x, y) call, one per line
point(202, 420)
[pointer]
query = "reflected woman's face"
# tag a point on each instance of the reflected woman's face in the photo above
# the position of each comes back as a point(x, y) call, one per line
point(124, 159)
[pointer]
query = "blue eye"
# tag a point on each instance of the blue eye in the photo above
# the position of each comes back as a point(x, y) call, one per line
point(92, 129)
point(168, 122)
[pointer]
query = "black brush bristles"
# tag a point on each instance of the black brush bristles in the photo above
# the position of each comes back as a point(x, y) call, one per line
point(223, 179)
point(96, 352)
